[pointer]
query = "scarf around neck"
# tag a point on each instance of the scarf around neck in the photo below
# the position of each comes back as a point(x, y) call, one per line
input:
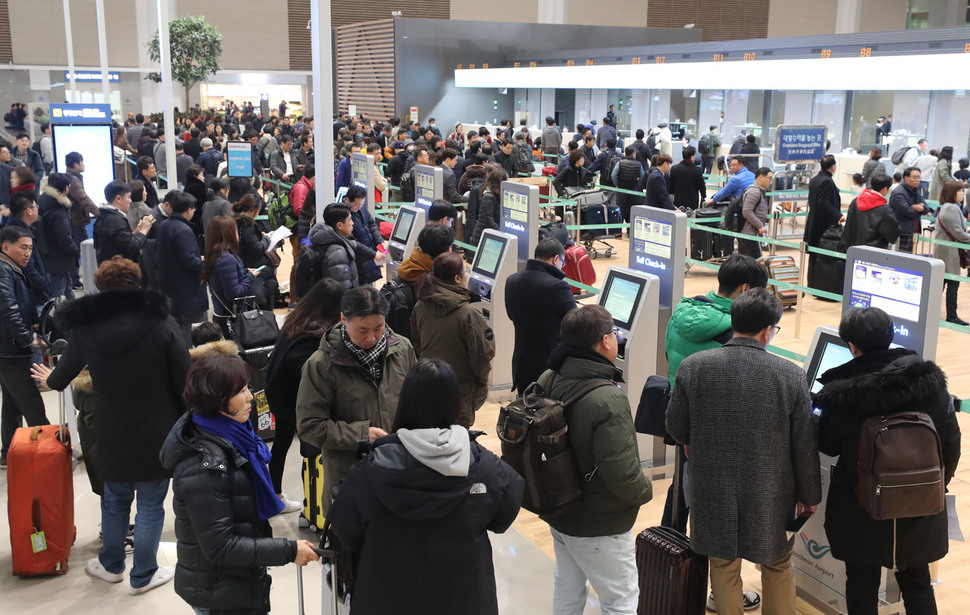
point(252, 447)
point(372, 360)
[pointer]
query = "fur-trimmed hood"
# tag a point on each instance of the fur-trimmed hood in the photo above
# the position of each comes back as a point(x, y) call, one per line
point(83, 382)
point(881, 382)
point(224, 348)
point(116, 320)
point(57, 196)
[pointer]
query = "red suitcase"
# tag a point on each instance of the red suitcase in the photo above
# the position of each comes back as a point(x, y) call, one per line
point(40, 500)
point(579, 267)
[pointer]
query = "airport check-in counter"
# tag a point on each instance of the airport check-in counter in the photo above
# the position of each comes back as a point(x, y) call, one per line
point(410, 220)
point(495, 260)
point(631, 296)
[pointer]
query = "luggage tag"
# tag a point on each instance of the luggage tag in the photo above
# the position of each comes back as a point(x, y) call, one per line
point(38, 542)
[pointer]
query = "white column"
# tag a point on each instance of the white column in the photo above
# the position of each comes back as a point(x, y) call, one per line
point(847, 16)
point(69, 40)
point(103, 53)
point(165, 67)
point(321, 46)
point(553, 11)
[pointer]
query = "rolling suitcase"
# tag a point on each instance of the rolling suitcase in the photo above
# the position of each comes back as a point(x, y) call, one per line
point(783, 269)
point(313, 490)
point(40, 498)
point(579, 267)
point(673, 579)
point(615, 214)
point(827, 272)
point(702, 242)
point(593, 214)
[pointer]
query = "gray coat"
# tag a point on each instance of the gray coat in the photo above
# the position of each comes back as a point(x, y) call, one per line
point(953, 219)
point(942, 173)
point(753, 449)
point(754, 208)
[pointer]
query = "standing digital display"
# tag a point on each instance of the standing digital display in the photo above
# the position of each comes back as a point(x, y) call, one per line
point(95, 144)
point(658, 245)
point(240, 158)
point(423, 188)
point(359, 173)
point(652, 237)
point(520, 216)
point(894, 290)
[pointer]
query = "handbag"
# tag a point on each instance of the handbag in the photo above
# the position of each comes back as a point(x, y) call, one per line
point(961, 252)
point(274, 258)
point(652, 409)
point(253, 328)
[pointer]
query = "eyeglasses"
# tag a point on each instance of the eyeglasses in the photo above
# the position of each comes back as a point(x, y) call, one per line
point(777, 329)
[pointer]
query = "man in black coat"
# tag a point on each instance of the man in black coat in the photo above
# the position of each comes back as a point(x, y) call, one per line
point(824, 210)
point(750, 150)
point(24, 213)
point(180, 264)
point(536, 299)
point(687, 181)
point(111, 331)
point(880, 380)
point(146, 174)
point(655, 183)
point(112, 233)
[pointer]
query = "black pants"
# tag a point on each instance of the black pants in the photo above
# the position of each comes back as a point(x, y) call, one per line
point(78, 234)
point(683, 511)
point(749, 247)
point(21, 399)
point(708, 163)
point(862, 588)
point(282, 439)
point(952, 292)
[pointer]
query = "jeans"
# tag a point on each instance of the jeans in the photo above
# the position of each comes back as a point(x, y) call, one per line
point(777, 581)
point(862, 589)
point(149, 519)
point(608, 563)
point(708, 164)
point(21, 399)
point(61, 285)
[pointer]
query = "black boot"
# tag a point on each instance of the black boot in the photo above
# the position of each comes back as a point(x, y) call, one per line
point(952, 291)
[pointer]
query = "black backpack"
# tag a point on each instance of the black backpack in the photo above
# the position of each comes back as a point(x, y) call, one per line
point(309, 268)
point(734, 214)
point(524, 154)
point(899, 154)
point(535, 442)
point(407, 186)
point(606, 177)
point(400, 297)
point(704, 144)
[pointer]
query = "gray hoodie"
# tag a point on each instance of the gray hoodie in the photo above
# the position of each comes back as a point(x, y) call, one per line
point(447, 451)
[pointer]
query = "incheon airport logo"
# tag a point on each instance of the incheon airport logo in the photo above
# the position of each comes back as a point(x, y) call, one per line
point(814, 549)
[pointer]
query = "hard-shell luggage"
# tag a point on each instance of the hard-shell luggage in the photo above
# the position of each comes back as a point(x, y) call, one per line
point(783, 269)
point(313, 491)
point(704, 245)
point(672, 578)
point(825, 272)
point(615, 214)
point(40, 499)
point(263, 420)
point(579, 267)
point(593, 214)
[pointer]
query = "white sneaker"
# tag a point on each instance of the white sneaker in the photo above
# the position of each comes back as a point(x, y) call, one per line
point(96, 570)
point(290, 506)
point(163, 575)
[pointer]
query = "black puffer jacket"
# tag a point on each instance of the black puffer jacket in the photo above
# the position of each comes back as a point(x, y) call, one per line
point(17, 312)
point(223, 547)
point(870, 385)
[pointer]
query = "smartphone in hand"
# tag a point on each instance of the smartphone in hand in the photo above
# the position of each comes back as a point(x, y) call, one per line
point(796, 524)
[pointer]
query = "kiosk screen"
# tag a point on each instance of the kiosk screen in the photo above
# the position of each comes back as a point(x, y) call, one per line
point(402, 227)
point(515, 206)
point(652, 237)
point(621, 296)
point(488, 256)
point(895, 291)
point(359, 173)
point(423, 188)
point(830, 352)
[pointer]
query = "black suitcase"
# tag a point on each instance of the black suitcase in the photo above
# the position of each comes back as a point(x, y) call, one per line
point(702, 242)
point(615, 214)
point(828, 272)
point(593, 214)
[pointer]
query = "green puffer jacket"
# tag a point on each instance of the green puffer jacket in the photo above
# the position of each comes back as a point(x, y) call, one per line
point(695, 325)
point(338, 401)
point(603, 438)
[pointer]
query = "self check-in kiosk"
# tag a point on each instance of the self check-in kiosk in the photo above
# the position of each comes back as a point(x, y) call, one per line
point(631, 296)
point(908, 288)
point(428, 186)
point(362, 174)
point(495, 261)
point(520, 217)
point(409, 222)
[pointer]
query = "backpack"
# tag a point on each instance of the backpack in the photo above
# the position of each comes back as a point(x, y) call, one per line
point(36, 146)
point(309, 268)
point(474, 183)
point(280, 212)
point(400, 297)
point(524, 153)
point(899, 154)
point(407, 186)
point(734, 214)
point(900, 466)
point(606, 177)
point(704, 144)
point(535, 442)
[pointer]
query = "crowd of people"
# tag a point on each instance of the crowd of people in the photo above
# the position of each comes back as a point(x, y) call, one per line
point(384, 381)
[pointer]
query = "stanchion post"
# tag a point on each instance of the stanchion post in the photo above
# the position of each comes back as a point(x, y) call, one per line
point(802, 281)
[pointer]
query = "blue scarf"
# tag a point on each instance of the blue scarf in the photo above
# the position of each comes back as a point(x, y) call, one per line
point(252, 447)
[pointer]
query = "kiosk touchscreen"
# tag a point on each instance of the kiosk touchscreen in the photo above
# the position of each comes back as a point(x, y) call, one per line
point(428, 186)
point(907, 287)
point(658, 245)
point(520, 217)
point(404, 236)
point(362, 174)
point(631, 297)
point(494, 262)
